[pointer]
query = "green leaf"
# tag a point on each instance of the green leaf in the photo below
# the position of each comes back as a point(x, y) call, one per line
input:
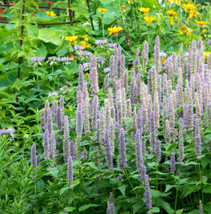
point(151, 3)
point(40, 185)
point(87, 206)
point(155, 210)
point(70, 209)
point(49, 35)
point(137, 207)
point(166, 206)
point(92, 165)
point(129, 138)
point(122, 189)
point(42, 52)
point(168, 187)
point(63, 190)
point(106, 1)
point(179, 211)
point(207, 189)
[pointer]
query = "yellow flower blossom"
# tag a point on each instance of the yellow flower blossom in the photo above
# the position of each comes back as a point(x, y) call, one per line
point(188, 7)
point(85, 36)
point(123, 8)
point(102, 10)
point(50, 13)
point(84, 44)
point(183, 29)
point(144, 10)
point(71, 39)
point(115, 30)
point(176, 17)
point(192, 14)
point(201, 23)
point(149, 19)
point(206, 54)
point(72, 55)
point(171, 12)
point(163, 59)
point(171, 19)
point(188, 34)
point(87, 74)
point(176, 1)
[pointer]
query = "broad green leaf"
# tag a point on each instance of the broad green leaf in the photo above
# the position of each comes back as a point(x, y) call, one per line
point(63, 190)
point(49, 35)
point(207, 189)
point(122, 189)
point(166, 206)
point(106, 1)
point(87, 206)
point(92, 165)
point(156, 210)
point(179, 211)
point(151, 3)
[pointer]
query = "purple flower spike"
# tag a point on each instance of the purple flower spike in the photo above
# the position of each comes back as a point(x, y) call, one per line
point(108, 152)
point(33, 155)
point(172, 163)
point(122, 150)
point(70, 170)
point(110, 206)
point(147, 194)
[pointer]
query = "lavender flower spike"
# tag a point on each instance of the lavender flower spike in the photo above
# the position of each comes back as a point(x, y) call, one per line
point(172, 163)
point(200, 207)
point(46, 145)
point(70, 170)
point(79, 121)
point(108, 152)
point(33, 155)
point(138, 148)
point(66, 142)
point(111, 207)
point(122, 150)
point(147, 194)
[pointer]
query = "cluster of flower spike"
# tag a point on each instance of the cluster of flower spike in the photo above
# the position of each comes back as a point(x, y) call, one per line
point(183, 83)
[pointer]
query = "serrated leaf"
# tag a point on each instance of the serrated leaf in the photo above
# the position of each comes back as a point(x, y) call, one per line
point(155, 210)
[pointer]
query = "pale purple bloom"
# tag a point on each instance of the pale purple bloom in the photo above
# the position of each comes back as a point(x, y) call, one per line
point(65, 88)
point(101, 42)
point(78, 47)
point(112, 45)
point(172, 162)
point(138, 149)
point(86, 65)
point(122, 150)
point(101, 59)
point(108, 152)
point(200, 207)
point(70, 170)
point(53, 94)
point(143, 173)
point(83, 53)
point(7, 131)
point(65, 210)
point(158, 151)
point(46, 145)
point(33, 155)
point(110, 206)
point(163, 54)
point(209, 43)
point(147, 194)
point(107, 69)
point(37, 59)
point(79, 121)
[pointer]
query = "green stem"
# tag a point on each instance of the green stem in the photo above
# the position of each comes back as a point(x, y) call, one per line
point(157, 166)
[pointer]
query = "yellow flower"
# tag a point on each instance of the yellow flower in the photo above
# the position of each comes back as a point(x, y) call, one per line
point(193, 13)
point(206, 54)
point(114, 30)
point(50, 13)
point(200, 37)
point(176, 17)
point(84, 44)
point(87, 74)
point(188, 7)
point(188, 34)
point(176, 1)
point(183, 29)
point(171, 12)
point(85, 36)
point(71, 39)
point(171, 19)
point(130, 2)
point(144, 10)
point(102, 10)
point(123, 8)
point(163, 59)
point(72, 55)
point(149, 19)
point(201, 23)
